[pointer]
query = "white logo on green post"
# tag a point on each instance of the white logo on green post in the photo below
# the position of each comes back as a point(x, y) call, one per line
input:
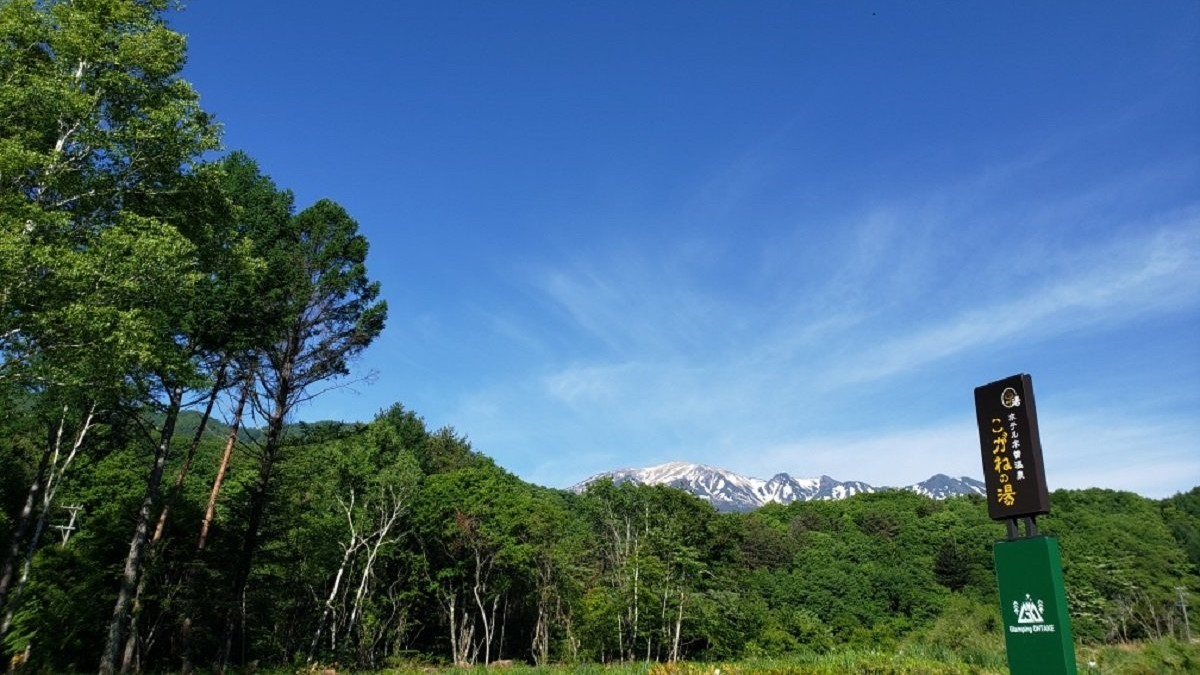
point(1028, 612)
point(1031, 617)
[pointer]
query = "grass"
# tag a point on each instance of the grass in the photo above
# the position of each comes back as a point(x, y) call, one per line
point(1147, 658)
point(1144, 658)
point(836, 663)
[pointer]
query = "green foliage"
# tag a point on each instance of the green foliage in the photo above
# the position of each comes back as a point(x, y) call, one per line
point(1182, 515)
point(94, 125)
point(966, 631)
point(1122, 566)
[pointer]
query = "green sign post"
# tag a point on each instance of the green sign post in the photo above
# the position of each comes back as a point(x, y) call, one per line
point(1033, 601)
point(1033, 604)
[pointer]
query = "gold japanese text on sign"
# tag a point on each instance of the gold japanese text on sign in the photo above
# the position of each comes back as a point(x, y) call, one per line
point(1002, 463)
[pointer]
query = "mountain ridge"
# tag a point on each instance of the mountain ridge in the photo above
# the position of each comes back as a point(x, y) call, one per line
point(730, 491)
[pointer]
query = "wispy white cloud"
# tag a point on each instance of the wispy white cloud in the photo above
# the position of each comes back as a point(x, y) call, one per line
point(633, 301)
point(1114, 284)
point(588, 384)
point(1111, 284)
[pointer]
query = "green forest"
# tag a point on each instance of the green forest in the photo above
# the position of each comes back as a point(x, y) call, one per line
point(165, 307)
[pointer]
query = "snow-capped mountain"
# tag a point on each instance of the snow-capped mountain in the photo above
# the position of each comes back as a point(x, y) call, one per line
point(728, 491)
point(941, 486)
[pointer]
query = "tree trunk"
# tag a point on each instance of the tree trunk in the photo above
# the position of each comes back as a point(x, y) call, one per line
point(133, 561)
point(131, 641)
point(258, 505)
point(678, 629)
point(177, 488)
point(462, 629)
point(230, 443)
point(53, 482)
point(26, 517)
point(185, 630)
point(454, 657)
point(480, 586)
point(349, 549)
point(541, 630)
point(389, 512)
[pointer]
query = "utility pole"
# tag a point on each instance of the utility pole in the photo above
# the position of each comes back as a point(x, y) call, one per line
point(1187, 629)
point(67, 529)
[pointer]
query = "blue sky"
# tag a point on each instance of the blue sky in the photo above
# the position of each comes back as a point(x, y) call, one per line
point(767, 236)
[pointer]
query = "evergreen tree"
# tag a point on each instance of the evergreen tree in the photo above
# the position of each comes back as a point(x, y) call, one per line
point(330, 312)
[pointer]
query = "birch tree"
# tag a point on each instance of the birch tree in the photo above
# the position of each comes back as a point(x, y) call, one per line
point(374, 487)
point(475, 525)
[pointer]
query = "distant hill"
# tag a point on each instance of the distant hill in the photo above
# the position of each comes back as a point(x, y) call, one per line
point(189, 421)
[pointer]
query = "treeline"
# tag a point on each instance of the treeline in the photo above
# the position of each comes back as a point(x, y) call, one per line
point(388, 542)
point(163, 314)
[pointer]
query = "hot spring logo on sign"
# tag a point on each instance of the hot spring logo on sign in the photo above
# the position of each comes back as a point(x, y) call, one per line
point(1030, 617)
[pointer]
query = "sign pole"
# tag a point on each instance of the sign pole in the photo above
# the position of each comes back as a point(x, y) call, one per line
point(1033, 599)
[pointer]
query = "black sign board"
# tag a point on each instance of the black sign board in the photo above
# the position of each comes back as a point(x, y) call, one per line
point(1011, 449)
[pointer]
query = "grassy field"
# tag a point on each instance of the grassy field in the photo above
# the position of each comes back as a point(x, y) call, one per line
point(1151, 658)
